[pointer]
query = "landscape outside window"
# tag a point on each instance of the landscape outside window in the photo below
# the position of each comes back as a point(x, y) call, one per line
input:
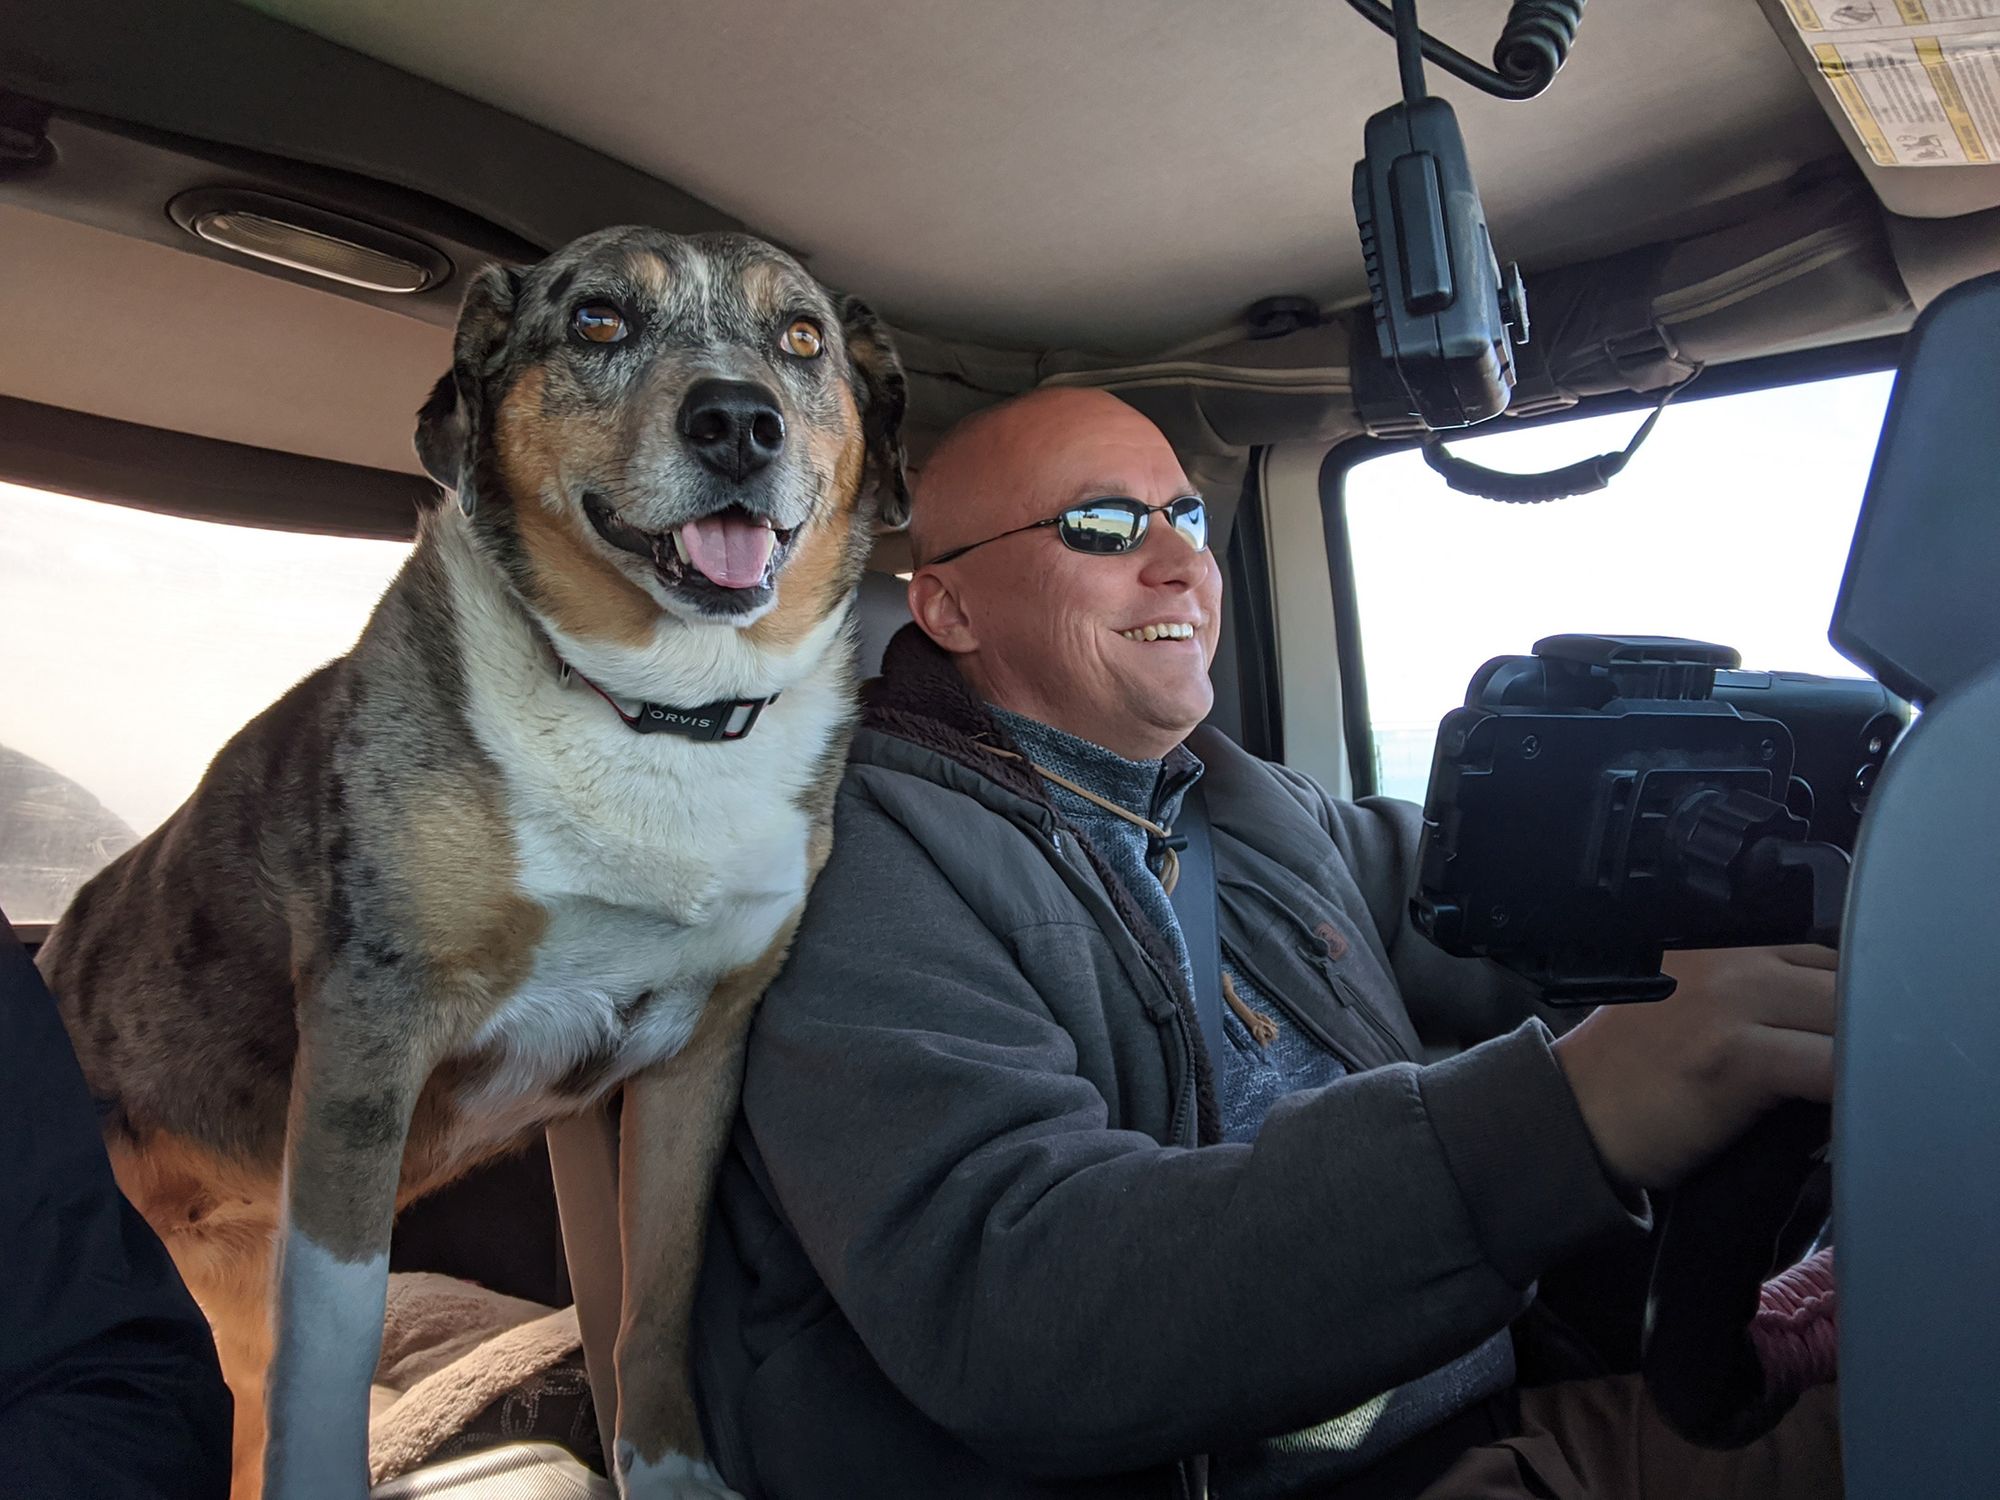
point(132, 646)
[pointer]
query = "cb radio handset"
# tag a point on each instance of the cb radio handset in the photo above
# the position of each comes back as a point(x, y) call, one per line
point(1447, 312)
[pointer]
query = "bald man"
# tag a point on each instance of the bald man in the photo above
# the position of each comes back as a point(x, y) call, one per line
point(1010, 1212)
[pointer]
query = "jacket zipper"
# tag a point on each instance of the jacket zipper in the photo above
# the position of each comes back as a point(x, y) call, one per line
point(1185, 1103)
point(1344, 992)
point(1352, 999)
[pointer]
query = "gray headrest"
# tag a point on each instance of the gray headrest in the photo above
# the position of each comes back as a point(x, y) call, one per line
point(883, 608)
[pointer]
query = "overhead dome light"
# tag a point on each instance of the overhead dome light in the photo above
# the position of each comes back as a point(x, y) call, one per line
point(308, 239)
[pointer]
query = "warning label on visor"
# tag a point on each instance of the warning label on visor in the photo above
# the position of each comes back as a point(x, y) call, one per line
point(1919, 79)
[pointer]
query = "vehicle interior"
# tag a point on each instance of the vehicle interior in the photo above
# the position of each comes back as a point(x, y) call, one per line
point(206, 469)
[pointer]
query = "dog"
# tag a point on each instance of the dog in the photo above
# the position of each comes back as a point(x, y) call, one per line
point(546, 831)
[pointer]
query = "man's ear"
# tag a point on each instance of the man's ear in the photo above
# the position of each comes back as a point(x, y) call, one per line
point(450, 422)
point(881, 393)
point(940, 613)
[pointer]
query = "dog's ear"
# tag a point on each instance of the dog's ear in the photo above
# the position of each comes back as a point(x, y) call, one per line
point(882, 394)
point(441, 433)
point(448, 424)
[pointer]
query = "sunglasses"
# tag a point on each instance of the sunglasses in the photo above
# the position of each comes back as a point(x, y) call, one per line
point(1109, 526)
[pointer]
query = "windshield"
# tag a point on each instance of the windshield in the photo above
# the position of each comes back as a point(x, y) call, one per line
point(1730, 525)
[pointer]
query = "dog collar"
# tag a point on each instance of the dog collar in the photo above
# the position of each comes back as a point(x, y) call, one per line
point(724, 719)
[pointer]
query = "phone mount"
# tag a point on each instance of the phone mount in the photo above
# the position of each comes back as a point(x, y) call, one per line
point(1612, 797)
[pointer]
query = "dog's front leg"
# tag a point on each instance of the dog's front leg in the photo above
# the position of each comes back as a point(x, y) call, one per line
point(353, 1091)
point(676, 1120)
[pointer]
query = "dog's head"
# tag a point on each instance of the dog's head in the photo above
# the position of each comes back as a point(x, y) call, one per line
point(647, 425)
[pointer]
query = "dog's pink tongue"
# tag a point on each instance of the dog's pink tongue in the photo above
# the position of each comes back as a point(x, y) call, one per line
point(730, 551)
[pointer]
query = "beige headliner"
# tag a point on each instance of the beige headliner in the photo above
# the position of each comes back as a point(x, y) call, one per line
point(1125, 174)
point(124, 328)
point(1117, 173)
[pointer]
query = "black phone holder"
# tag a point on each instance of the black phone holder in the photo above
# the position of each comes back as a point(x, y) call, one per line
point(1612, 797)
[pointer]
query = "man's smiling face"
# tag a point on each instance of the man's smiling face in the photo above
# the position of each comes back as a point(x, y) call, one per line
point(1049, 632)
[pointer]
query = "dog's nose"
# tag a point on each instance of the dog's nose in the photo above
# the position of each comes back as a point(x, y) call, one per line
point(733, 426)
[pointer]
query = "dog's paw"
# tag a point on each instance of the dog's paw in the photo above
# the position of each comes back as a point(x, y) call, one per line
point(674, 1477)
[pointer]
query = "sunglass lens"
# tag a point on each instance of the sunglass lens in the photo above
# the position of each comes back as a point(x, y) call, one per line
point(1190, 518)
point(1099, 528)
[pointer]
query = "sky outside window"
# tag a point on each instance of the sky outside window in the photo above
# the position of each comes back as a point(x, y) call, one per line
point(132, 647)
point(1730, 525)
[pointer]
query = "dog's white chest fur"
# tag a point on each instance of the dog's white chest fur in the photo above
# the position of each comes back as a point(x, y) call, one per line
point(663, 865)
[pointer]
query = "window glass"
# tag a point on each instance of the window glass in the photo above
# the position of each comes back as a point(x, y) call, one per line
point(132, 646)
point(1730, 525)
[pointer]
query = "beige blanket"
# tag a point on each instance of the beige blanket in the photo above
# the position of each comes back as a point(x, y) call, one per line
point(449, 1350)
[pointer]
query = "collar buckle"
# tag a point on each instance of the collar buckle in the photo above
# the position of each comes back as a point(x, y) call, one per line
point(724, 719)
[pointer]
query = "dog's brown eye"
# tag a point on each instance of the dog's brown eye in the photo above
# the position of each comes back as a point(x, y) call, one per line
point(803, 339)
point(599, 322)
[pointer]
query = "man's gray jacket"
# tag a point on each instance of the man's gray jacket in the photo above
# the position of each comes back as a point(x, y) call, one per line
point(964, 1243)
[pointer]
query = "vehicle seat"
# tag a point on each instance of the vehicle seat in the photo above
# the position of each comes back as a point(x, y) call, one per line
point(882, 609)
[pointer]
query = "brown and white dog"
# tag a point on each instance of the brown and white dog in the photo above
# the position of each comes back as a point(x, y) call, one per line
point(546, 830)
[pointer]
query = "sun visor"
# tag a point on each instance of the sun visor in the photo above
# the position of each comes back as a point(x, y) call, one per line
point(1911, 86)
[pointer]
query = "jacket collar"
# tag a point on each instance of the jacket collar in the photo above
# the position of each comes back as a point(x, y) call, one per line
point(923, 698)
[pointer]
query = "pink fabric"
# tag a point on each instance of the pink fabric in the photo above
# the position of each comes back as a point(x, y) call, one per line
point(1795, 1330)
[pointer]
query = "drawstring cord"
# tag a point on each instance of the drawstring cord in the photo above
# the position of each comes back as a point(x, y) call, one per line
point(1263, 1030)
point(1170, 866)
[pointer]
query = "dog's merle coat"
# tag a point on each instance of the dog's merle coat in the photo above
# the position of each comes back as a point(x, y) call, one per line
point(439, 895)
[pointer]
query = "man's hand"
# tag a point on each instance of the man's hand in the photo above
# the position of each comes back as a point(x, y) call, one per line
point(1663, 1087)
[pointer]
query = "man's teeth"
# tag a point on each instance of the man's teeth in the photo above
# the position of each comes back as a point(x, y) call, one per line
point(1159, 633)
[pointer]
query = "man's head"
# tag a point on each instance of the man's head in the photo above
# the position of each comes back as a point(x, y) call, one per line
point(1047, 631)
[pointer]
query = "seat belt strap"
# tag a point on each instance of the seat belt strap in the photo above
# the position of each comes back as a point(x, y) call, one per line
point(1194, 901)
point(583, 1159)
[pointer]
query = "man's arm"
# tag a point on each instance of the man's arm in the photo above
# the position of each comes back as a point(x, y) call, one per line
point(108, 1377)
point(1663, 1086)
point(1071, 1299)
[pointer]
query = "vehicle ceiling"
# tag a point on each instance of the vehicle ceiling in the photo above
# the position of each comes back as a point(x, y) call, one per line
point(1124, 176)
point(1120, 174)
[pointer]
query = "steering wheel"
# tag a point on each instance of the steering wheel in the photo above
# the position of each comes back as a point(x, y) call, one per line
point(1727, 1230)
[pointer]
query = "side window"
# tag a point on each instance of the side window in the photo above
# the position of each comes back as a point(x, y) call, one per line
point(1730, 525)
point(132, 646)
